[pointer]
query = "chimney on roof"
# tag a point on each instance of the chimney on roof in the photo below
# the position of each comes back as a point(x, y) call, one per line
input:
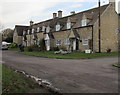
point(112, 3)
point(60, 14)
point(72, 13)
point(54, 15)
point(31, 23)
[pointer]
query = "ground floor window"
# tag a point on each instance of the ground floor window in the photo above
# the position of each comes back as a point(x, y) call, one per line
point(85, 41)
point(58, 42)
point(67, 41)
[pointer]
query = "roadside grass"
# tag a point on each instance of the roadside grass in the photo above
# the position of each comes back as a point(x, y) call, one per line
point(117, 65)
point(13, 82)
point(73, 55)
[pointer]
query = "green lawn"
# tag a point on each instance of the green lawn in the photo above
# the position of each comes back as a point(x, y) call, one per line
point(73, 55)
point(13, 82)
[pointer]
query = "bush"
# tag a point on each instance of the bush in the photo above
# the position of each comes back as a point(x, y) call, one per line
point(42, 45)
point(13, 45)
point(33, 48)
point(54, 49)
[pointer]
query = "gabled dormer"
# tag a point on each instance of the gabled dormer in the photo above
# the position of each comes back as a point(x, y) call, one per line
point(57, 27)
point(43, 28)
point(68, 25)
point(48, 29)
point(38, 29)
point(84, 20)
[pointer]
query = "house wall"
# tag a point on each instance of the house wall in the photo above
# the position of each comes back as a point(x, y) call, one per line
point(85, 32)
point(109, 24)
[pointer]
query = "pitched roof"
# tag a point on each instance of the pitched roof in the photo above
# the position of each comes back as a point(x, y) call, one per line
point(19, 29)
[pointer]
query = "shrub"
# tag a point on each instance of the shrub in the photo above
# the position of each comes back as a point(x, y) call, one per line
point(54, 49)
point(33, 48)
point(13, 45)
point(42, 45)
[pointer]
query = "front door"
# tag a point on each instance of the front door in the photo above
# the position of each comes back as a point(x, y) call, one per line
point(47, 45)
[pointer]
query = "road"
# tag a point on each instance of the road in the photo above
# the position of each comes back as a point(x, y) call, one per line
point(70, 76)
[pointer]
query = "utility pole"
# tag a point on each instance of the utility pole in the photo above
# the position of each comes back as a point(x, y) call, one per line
point(99, 31)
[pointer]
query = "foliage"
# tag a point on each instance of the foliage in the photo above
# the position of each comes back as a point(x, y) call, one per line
point(42, 45)
point(33, 48)
point(54, 49)
point(13, 45)
point(7, 35)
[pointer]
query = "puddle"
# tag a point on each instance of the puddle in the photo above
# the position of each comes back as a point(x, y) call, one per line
point(42, 82)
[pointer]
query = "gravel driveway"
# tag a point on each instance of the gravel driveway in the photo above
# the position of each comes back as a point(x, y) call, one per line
point(70, 76)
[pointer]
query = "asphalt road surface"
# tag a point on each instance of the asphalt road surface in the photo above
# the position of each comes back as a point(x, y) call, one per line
point(70, 76)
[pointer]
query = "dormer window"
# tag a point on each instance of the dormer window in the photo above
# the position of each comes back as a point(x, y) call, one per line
point(38, 29)
point(58, 27)
point(68, 25)
point(32, 31)
point(28, 32)
point(43, 28)
point(48, 29)
point(23, 32)
point(84, 22)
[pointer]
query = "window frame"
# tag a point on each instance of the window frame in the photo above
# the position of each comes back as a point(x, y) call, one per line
point(85, 41)
point(58, 42)
point(57, 27)
point(84, 22)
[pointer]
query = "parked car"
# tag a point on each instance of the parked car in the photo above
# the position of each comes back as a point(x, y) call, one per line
point(5, 45)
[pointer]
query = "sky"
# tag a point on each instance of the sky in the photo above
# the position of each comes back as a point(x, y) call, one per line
point(20, 12)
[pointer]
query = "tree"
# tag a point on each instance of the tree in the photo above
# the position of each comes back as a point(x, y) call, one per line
point(7, 35)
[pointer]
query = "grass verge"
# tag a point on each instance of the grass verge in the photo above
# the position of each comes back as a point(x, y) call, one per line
point(13, 82)
point(73, 55)
point(117, 65)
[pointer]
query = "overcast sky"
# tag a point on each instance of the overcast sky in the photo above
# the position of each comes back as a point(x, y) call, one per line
point(20, 12)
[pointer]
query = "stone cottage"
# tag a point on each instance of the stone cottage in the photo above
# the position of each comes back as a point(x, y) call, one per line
point(76, 32)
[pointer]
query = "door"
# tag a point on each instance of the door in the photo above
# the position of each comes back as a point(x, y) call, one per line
point(47, 45)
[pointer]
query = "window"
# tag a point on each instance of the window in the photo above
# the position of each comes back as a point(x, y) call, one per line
point(58, 27)
point(58, 42)
point(23, 32)
point(28, 31)
point(68, 25)
point(85, 41)
point(48, 29)
point(67, 41)
point(32, 31)
point(43, 28)
point(38, 29)
point(84, 22)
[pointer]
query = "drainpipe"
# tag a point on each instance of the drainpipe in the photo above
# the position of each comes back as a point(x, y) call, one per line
point(92, 38)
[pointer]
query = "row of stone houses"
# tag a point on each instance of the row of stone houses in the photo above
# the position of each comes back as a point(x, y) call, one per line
point(78, 31)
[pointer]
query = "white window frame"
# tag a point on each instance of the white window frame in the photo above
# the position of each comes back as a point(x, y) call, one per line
point(48, 29)
point(38, 29)
point(68, 25)
point(23, 32)
point(43, 28)
point(85, 41)
point(58, 27)
point(84, 22)
point(67, 41)
point(58, 42)
point(28, 31)
point(33, 31)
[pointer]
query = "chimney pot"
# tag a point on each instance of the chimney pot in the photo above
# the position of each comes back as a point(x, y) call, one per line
point(54, 15)
point(31, 23)
point(72, 13)
point(60, 14)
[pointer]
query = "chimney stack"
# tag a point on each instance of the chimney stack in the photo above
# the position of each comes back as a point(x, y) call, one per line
point(54, 15)
point(60, 14)
point(112, 2)
point(31, 23)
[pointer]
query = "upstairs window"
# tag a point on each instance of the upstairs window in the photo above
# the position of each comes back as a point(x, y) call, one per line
point(32, 31)
point(58, 27)
point(23, 32)
point(68, 25)
point(43, 28)
point(28, 32)
point(84, 22)
point(48, 29)
point(38, 29)
point(58, 42)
